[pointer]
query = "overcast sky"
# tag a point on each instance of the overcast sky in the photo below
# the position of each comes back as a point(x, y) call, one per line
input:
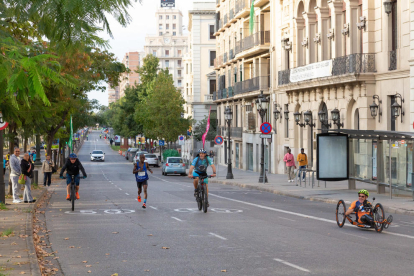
point(132, 38)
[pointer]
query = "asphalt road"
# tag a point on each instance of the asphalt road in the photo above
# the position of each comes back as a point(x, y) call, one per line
point(245, 232)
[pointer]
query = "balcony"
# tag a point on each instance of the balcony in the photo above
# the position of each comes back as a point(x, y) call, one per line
point(218, 61)
point(225, 57)
point(231, 55)
point(393, 61)
point(352, 64)
point(232, 19)
point(242, 8)
point(209, 98)
point(225, 19)
point(253, 84)
point(236, 132)
point(261, 38)
point(218, 3)
point(214, 96)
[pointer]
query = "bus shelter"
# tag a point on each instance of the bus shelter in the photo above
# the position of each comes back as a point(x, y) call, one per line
point(382, 158)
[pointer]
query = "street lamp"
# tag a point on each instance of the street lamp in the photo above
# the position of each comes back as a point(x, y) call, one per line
point(261, 103)
point(276, 112)
point(323, 118)
point(375, 108)
point(336, 118)
point(388, 6)
point(396, 108)
point(38, 161)
point(298, 117)
point(228, 116)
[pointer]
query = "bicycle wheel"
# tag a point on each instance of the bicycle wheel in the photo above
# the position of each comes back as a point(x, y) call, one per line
point(379, 217)
point(340, 213)
point(72, 196)
point(199, 203)
point(205, 200)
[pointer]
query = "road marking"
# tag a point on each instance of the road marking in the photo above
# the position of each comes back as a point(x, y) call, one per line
point(120, 189)
point(176, 218)
point(292, 265)
point(126, 193)
point(217, 236)
point(287, 219)
point(355, 236)
point(155, 208)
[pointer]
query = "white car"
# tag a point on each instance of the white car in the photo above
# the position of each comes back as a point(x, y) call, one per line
point(136, 157)
point(98, 155)
point(152, 159)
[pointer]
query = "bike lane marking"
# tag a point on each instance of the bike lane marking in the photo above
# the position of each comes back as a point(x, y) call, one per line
point(176, 218)
point(292, 265)
point(155, 208)
point(218, 236)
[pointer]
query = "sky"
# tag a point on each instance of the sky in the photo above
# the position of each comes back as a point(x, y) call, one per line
point(132, 38)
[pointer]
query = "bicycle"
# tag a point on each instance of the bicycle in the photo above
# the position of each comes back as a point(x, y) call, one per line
point(202, 197)
point(72, 190)
point(377, 213)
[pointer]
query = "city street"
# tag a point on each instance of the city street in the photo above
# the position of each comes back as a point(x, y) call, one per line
point(245, 232)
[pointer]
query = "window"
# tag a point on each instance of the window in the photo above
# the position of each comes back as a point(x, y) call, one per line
point(212, 86)
point(179, 53)
point(186, 68)
point(154, 53)
point(179, 83)
point(167, 26)
point(174, 26)
point(160, 33)
point(167, 63)
point(212, 32)
point(212, 57)
point(160, 26)
point(287, 123)
point(179, 73)
point(174, 17)
point(167, 53)
point(174, 33)
point(179, 62)
point(160, 17)
point(167, 16)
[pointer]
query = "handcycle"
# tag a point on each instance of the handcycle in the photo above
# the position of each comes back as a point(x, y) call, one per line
point(202, 197)
point(377, 213)
point(72, 190)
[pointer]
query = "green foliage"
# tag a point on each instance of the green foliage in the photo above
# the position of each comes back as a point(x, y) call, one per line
point(200, 128)
point(3, 206)
point(7, 232)
point(170, 153)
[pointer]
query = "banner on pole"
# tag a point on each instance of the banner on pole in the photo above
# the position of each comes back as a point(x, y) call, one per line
point(207, 128)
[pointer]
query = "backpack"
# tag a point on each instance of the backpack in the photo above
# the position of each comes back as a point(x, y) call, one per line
point(201, 168)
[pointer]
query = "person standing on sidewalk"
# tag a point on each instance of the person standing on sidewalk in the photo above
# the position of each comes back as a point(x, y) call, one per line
point(303, 163)
point(47, 171)
point(289, 159)
point(15, 172)
point(27, 169)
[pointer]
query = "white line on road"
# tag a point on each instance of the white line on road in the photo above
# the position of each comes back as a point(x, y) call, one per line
point(217, 236)
point(292, 265)
point(126, 193)
point(120, 189)
point(176, 218)
point(155, 208)
point(287, 219)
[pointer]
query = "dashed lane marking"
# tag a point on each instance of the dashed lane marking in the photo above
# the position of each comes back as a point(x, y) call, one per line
point(292, 265)
point(218, 236)
point(176, 218)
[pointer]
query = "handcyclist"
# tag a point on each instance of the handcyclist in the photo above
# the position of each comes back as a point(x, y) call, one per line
point(360, 208)
point(72, 167)
point(199, 168)
point(100, 136)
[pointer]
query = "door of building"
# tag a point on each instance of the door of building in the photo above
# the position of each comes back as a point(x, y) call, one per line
point(237, 155)
point(250, 157)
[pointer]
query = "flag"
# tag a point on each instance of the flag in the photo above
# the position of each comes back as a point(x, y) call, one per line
point(207, 128)
point(70, 144)
point(251, 20)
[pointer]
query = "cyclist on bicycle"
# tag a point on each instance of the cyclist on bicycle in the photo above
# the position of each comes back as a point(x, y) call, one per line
point(360, 208)
point(199, 168)
point(72, 167)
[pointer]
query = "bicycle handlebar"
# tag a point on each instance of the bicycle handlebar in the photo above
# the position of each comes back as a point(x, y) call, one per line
point(202, 177)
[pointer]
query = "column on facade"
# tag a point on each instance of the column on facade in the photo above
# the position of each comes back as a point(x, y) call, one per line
point(352, 18)
point(263, 73)
point(337, 25)
point(311, 29)
point(323, 29)
point(300, 34)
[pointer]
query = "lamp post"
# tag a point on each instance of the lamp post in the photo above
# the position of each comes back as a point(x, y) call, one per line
point(262, 102)
point(308, 122)
point(336, 118)
point(388, 6)
point(376, 108)
point(396, 108)
point(38, 162)
point(323, 118)
point(228, 116)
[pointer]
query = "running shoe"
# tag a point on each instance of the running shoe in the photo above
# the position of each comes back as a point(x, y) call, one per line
point(144, 205)
point(68, 197)
point(139, 198)
point(77, 195)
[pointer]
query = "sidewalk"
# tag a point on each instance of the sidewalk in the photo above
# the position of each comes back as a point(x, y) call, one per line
point(18, 255)
point(334, 191)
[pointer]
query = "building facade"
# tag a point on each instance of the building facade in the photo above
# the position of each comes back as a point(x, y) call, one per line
point(320, 56)
point(131, 60)
point(113, 94)
point(199, 75)
point(169, 45)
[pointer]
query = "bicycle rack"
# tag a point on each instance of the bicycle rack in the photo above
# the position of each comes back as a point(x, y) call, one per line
point(300, 172)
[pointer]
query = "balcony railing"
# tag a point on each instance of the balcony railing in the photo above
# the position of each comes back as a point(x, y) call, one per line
point(259, 38)
point(230, 92)
point(214, 95)
point(225, 57)
point(253, 84)
point(209, 98)
point(220, 24)
point(393, 61)
point(231, 15)
point(218, 61)
point(242, 4)
point(231, 55)
point(351, 64)
point(236, 132)
point(225, 19)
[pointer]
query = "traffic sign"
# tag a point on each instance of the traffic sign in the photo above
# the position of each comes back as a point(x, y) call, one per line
point(3, 124)
point(181, 138)
point(161, 142)
point(266, 136)
point(266, 128)
point(218, 140)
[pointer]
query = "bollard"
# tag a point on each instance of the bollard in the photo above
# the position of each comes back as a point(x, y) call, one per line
point(35, 177)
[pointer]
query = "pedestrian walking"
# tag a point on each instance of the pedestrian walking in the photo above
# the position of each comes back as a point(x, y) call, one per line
point(141, 176)
point(34, 156)
point(47, 168)
point(27, 166)
point(111, 141)
point(15, 172)
point(303, 163)
point(289, 159)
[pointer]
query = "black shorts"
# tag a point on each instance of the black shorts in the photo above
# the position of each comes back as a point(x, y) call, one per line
point(143, 183)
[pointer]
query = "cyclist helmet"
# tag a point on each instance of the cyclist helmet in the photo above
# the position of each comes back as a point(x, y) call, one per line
point(364, 192)
point(202, 151)
point(73, 155)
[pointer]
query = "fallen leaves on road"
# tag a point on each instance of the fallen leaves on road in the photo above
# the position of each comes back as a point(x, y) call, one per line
point(146, 270)
point(224, 270)
point(22, 272)
point(115, 232)
point(66, 239)
point(165, 247)
point(89, 271)
point(71, 247)
point(115, 274)
point(149, 235)
point(88, 265)
point(84, 262)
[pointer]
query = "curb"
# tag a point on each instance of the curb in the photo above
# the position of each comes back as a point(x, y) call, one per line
point(390, 210)
point(34, 264)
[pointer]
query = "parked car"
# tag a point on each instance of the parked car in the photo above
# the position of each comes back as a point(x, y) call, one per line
point(138, 154)
point(174, 165)
point(127, 152)
point(98, 155)
point(131, 153)
point(152, 159)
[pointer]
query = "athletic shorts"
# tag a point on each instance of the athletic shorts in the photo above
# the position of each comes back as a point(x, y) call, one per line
point(69, 179)
point(143, 183)
point(195, 174)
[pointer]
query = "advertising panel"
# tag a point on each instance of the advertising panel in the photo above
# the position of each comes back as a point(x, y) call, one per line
point(332, 157)
point(167, 3)
point(311, 71)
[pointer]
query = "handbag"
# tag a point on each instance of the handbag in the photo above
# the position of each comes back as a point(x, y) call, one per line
point(54, 169)
point(22, 179)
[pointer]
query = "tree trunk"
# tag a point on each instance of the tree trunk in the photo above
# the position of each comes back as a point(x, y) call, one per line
point(60, 153)
point(49, 144)
point(25, 145)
